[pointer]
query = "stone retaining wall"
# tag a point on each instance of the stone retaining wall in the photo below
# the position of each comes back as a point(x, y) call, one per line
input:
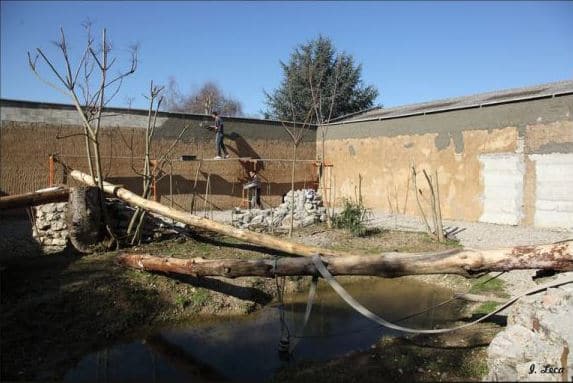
point(51, 231)
point(50, 228)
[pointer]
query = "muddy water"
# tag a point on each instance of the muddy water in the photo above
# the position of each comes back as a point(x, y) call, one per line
point(247, 349)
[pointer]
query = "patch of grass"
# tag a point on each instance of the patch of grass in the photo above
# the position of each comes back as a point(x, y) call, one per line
point(389, 241)
point(488, 285)
point(181, 300)
point(453, 243)
point(486, 308)
point(475, 365)
point(199, 297)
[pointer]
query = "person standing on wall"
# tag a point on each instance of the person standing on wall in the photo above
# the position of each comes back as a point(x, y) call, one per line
point(219, 134)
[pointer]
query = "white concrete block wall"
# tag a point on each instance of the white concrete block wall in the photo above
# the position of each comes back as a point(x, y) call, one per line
point(553, 190)
point(502, 175)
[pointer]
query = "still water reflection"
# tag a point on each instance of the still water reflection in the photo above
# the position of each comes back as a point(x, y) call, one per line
point(247, 349)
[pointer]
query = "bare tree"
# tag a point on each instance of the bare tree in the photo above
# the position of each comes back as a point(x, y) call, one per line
point(152, 168)
point(205, 100)
point(323, 94)
point(438, 231)
point(96, 93)
point(296, 131)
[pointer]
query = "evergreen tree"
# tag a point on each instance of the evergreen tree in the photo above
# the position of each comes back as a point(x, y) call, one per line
point(318, 85)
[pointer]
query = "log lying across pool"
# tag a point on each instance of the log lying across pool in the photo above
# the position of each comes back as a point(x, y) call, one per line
point(468, 263)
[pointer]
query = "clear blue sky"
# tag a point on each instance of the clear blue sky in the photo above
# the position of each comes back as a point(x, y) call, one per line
point(411, 51)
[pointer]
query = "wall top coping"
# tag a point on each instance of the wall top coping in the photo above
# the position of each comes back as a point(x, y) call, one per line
point(480, 100)
point(140, 112)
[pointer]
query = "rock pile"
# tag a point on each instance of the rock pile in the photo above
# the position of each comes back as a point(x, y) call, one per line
point(308, 209)
point(537, 343)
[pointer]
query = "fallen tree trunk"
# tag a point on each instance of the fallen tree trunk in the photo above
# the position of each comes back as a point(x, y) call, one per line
point(468, 263)
point(40, 197)
point(267, 241)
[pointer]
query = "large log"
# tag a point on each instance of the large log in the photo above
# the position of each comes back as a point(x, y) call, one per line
point(40, 197)
point(468, 263)
point(84, 219)
point(265, 240)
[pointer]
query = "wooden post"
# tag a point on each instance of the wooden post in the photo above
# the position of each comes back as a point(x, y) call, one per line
point(51, 170)
point(207, 191)
point(195, 188)
point(171, 182)
point(440, 228)
point(153, 164)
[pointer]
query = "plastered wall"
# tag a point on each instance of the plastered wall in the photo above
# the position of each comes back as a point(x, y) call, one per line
point(29, 134)
point(504, 163)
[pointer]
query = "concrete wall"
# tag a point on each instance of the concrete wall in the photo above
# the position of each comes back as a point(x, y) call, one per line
point(29, 133)
point(505, 163)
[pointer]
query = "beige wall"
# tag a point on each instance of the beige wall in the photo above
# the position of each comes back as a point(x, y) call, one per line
point(384, 164)
point(482, 156)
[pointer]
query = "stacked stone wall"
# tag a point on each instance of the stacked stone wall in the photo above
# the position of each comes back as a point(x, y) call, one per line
point(51, 231)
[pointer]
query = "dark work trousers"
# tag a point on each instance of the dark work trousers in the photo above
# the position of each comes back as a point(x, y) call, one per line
point(220, 145)
point(256, 198)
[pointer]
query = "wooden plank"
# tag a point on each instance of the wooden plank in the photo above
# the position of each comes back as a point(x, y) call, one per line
point(40, 197)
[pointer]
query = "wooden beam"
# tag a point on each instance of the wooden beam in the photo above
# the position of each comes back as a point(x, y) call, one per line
point(40, 197)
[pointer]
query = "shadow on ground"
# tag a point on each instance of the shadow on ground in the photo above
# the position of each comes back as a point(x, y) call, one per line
point(58, 307)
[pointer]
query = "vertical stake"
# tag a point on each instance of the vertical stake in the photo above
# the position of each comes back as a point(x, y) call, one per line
point(51, 170)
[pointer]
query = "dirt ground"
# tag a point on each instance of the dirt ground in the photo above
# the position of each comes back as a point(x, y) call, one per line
point(57, 308)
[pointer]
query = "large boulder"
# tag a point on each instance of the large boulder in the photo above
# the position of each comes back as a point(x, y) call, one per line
point(537, 343)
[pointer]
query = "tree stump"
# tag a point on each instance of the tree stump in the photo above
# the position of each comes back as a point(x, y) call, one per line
point(84, 218)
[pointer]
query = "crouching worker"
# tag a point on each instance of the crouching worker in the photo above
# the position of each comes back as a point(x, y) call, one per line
point(254, 188)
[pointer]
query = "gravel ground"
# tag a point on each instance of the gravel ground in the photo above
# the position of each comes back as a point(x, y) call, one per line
point(475, 235)
point(478, 235)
